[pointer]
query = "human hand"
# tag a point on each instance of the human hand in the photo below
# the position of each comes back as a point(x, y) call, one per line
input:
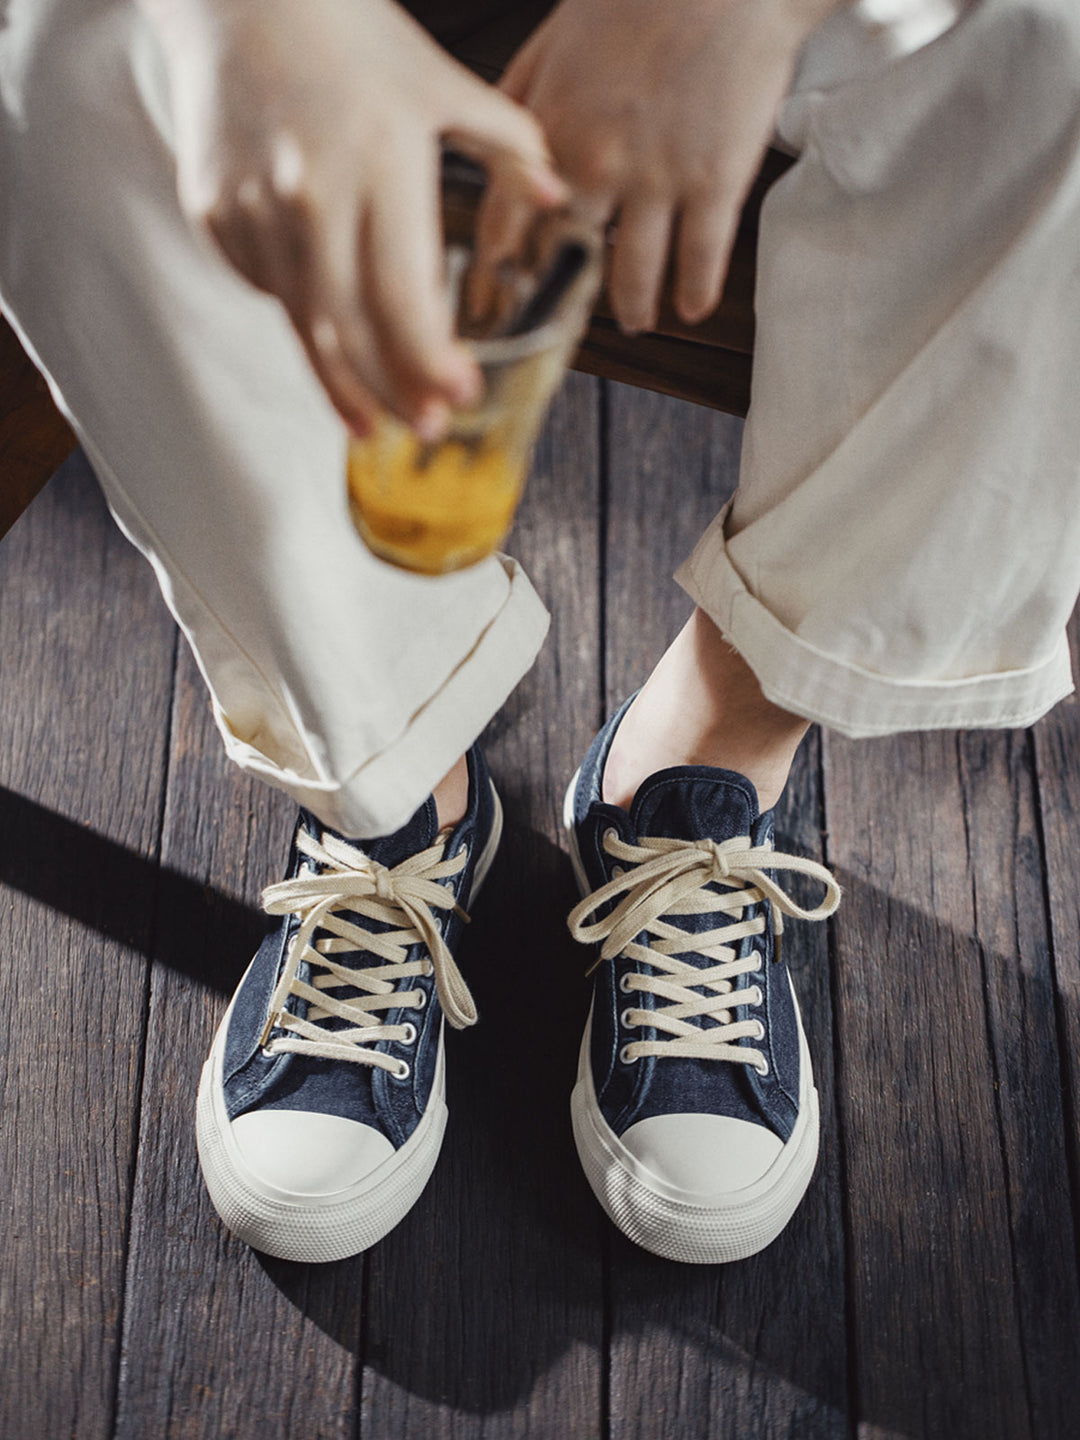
point(658, 114)
point(308, 143)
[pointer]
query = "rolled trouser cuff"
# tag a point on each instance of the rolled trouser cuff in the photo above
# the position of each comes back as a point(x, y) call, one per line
point(846, 697)
point(383, 791)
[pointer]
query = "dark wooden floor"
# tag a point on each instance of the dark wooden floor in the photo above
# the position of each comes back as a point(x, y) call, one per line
point(927, 1287)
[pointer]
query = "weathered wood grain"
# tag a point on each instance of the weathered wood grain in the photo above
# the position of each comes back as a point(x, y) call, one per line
point(945, 1062)
point(217, 1340)
point(756, 1348)
point(926, 1287)
point(86, 653)
point(485, 1309)
point(34, 438)
point(1011, 923)
point(1057, 760)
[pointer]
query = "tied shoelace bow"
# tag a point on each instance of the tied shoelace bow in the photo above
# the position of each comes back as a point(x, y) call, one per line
point(671, 877)
point(404, 898)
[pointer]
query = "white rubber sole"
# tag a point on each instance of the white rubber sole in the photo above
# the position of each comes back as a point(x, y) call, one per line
point(318, 1228)
point(676, 1224)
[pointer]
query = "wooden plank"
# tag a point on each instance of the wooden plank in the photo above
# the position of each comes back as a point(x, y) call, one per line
point(34, 438)
point(719, 379)
point(197, 1299)
point(86, 653)
point(1057, 748)
point(485, 1309)
point(756, 1348)
point(935, 989)
point(1007, 866)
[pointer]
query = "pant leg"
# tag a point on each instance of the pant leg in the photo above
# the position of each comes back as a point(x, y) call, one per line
point(904, 548)
point(350, 685)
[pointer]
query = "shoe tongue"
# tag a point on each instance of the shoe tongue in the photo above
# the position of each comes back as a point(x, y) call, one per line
point(417, 834)
point(695, 802)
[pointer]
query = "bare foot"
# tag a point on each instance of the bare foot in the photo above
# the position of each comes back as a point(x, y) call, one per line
point(702, 705)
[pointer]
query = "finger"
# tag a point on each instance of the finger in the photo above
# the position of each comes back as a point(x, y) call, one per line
point(284, 247)
point(323, 301)
point(517, 78)
point(639, 261)
point(502, 225)
point(403, 290)
point(237, 221)
point(503, 137)
point(337, 370)
point(706, 233)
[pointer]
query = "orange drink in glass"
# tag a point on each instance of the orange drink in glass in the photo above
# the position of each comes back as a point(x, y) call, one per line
point(438, 507)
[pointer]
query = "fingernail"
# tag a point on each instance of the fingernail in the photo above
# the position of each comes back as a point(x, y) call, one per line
point(468, 384)
point(551, 187)
point(430, 423)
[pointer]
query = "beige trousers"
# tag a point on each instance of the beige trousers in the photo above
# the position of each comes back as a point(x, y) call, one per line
point(903, 551)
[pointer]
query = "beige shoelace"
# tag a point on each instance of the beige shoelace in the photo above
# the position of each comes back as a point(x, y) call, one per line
point(670, 877)
point(404, 897)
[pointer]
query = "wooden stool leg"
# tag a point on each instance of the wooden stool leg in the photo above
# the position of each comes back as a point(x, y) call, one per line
point(34, 437)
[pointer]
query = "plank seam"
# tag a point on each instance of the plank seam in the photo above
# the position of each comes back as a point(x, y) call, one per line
point(854, 1399)
point(360, 1367)
point(152, 938)
point(995, 1071)
point(1069, 1108)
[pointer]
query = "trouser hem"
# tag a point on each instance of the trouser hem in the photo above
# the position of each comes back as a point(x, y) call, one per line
point(380, 795)
point(842, 695)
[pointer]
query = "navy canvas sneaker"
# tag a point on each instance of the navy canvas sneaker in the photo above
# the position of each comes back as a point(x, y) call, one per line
point(694, 1113)
point(321, 1108)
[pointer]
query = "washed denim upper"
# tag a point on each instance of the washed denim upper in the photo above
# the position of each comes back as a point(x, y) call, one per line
point(686, 803)
point(374, 1096)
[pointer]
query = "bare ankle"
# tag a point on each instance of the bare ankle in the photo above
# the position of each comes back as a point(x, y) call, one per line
point(703, 705)
point(452, 794)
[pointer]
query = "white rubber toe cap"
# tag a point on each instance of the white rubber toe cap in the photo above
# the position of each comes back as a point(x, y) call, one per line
point(300, 1153)
point(703, 1155)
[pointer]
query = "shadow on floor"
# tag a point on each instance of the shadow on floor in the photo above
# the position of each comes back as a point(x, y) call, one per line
point(116, 891)
point(505, 1287)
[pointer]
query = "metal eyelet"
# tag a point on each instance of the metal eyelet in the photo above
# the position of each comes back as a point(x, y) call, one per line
point(625, 1058)
point(403, 1071)
point(410, 1038)
point(760, 1031)
point(762, 1069)
point(626, 1023)
point(624, 985)
point(419, 1004)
